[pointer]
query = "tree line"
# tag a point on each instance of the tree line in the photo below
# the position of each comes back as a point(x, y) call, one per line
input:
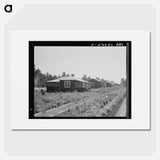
point(40, 78)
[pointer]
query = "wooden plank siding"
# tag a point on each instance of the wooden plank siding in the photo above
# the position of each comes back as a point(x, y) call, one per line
point(97, 83)
point(68, 85)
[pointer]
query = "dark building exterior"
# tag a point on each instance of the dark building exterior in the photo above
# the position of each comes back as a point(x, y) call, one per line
point(113, 83)
point(108, 83)
point(96, 83)
point(66, 84)
point(53, 85)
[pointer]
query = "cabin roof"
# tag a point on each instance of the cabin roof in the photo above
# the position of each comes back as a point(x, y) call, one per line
point(68, 78)
point(113, 82)
point(54, 80)
point(97, 80)
point(107, 81)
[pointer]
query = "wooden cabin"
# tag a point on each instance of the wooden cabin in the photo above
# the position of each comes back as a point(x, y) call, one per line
point(96, 83)
point(68, 84)
point(108, 83)
point(113, 83)
point(53, 85)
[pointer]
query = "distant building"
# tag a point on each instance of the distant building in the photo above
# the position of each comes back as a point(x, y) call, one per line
point(113, 83)
point(96, 83)
point(53, 85)
point(107, 83)
point(65, 84)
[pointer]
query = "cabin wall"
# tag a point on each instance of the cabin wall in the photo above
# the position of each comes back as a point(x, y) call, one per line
point(53, 89)
point(82, 86)
point(53, 86)
point(67, 86)
point(108, 84)
point(96, 84)
point(65, 89)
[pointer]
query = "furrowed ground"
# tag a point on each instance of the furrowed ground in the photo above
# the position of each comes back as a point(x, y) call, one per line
point(102, 102)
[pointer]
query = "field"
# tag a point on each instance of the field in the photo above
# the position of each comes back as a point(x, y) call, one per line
point(102, 102)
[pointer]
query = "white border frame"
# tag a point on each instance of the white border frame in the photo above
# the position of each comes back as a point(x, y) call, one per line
point(140, 82)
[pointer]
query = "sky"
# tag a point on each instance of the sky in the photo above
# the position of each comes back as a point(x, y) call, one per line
point(108, 63)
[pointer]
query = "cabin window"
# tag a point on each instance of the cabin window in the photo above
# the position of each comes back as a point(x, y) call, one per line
point(67, 84)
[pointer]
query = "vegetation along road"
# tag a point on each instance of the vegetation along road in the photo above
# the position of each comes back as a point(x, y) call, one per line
point(101, 102)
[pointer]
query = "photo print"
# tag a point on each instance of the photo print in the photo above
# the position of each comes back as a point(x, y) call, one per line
point(79, 79)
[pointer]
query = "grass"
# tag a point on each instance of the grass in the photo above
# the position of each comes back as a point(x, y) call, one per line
point(96, 102)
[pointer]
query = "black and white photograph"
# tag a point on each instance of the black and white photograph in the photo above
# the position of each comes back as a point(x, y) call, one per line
point(80, 79)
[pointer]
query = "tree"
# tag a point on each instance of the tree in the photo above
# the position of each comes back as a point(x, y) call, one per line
point(63, 74)
point(54, 77)
point(37, 76)
point(84, 77)
point(37, 72)
point(47, 75)
point(123, 81)
point(89, 78)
